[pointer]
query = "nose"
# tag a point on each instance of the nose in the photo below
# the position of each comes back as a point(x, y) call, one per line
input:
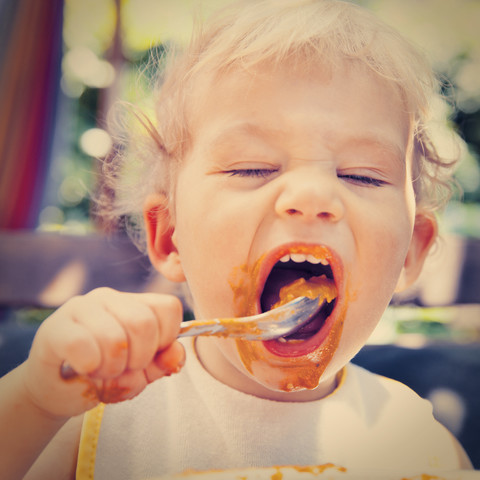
point(310, 195)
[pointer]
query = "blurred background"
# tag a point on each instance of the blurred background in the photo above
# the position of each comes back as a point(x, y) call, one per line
point(63, 63)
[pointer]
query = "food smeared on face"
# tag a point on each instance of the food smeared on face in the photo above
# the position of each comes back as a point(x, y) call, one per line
point(297, 361)
point(301, 274)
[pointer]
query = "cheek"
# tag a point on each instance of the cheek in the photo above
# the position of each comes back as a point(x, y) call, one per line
point(385, 246)
point(388, 236)
point(389, 251)
point(211, 243)
point(381, 255)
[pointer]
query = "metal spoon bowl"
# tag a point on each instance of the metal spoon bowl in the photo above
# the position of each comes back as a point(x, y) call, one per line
point(275, 323)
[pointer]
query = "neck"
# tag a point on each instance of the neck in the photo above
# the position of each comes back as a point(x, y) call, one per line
point(216, 364)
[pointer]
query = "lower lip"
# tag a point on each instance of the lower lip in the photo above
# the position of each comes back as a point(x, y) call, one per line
point(298, 348)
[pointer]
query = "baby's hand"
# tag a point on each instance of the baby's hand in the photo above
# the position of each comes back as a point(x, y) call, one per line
point(117, 343)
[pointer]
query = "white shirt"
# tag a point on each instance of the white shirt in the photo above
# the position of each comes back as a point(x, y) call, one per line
point(192, 421)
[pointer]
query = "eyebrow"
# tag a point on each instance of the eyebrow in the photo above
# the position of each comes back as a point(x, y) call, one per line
point(244, 129)
point(237, 131)
point(382, 144)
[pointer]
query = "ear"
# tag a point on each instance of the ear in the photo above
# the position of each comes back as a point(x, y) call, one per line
point(424, 235)
point(160, 234)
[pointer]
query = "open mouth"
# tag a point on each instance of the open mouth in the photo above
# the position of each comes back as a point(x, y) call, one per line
point(296, 275)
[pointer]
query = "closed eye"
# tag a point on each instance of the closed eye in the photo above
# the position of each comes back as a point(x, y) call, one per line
point(251, 172)
point(363, 180)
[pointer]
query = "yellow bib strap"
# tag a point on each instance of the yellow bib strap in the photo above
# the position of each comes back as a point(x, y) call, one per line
point(88, 443)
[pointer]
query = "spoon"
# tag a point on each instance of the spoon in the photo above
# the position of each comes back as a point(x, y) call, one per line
point(275, 323)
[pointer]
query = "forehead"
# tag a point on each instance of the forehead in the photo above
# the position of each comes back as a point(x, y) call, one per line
point(343, 106)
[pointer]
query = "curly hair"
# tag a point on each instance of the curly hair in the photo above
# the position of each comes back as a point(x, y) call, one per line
point(251, 33)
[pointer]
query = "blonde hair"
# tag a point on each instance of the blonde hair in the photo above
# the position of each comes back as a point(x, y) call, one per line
point(315, 32)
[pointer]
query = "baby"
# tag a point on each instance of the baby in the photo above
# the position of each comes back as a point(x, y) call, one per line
point(290, 156)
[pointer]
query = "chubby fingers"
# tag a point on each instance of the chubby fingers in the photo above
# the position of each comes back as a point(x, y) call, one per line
point(151, 323)
point(106, 333)
point(94, 313)
point(62, 338)
point(167, 361)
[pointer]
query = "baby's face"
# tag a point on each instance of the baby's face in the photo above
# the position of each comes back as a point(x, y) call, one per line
point(293, 176)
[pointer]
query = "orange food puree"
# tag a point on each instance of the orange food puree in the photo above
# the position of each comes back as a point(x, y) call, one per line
point(321, 287)
point(291, 372)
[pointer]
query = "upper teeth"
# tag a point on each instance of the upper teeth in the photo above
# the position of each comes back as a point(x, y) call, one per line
point(301, 257)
